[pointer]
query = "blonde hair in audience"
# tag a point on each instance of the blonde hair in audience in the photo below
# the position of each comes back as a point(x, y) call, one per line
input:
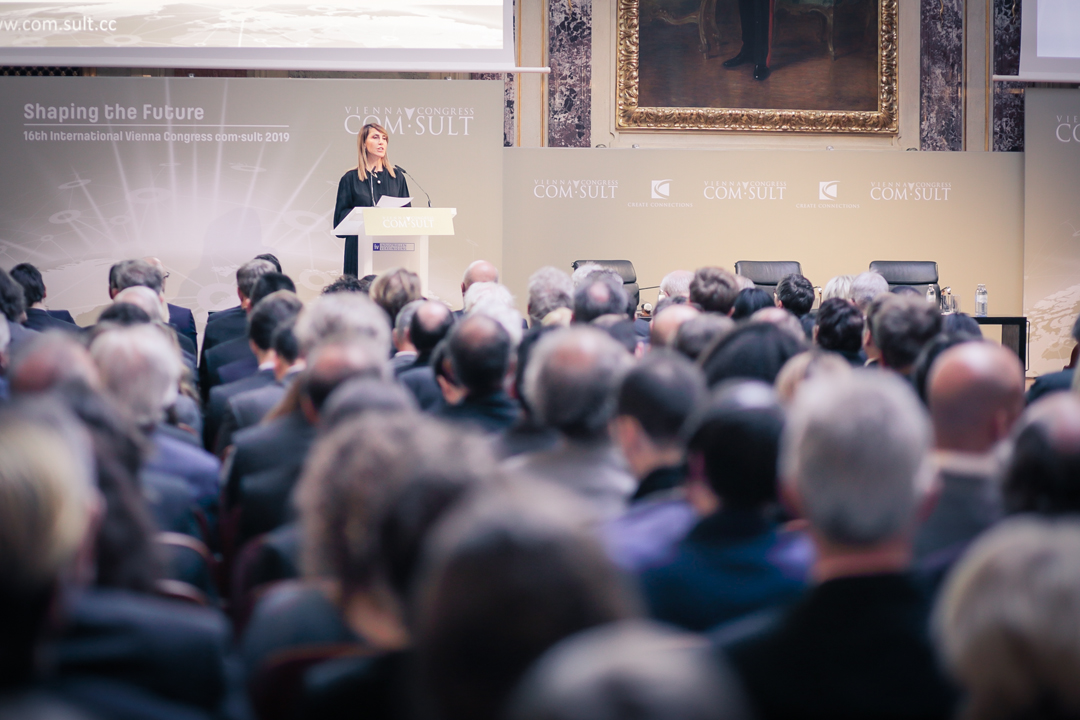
point(1008, 620)
point(46, 505)
point(838, 287)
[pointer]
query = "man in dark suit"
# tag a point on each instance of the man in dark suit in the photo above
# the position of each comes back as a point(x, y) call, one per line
point(267, 459)
point(1055, 381)
point(234, 359)
point(737, 560)
point(267, 315)
point(232, 323)
point(976, 393)
point(139, 273)
point(180, 318)
point(854, 464)
point(37, 317)
point(479, 351)
point(430, 325)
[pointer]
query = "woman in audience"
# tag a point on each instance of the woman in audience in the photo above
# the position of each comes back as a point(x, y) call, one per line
point(1008, 622)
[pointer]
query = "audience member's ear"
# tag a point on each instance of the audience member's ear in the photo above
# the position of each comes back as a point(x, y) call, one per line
point(451, 393)
point(626, 431)
point(698, 492)
point(308, 408)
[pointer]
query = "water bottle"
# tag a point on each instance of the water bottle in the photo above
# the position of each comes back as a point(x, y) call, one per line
point(931, 297)
point(980, 301)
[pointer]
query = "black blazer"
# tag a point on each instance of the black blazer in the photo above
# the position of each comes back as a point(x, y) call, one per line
point(219, 402)
point(224, 325)
point(220, 356)
point(855, 647)
point(245, 410)
point(282, 442)
point(184, 322)
point(352, 193)
point(42, 320)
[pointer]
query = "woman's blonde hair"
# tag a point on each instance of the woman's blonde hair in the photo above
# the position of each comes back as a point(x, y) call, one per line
point(361, 150)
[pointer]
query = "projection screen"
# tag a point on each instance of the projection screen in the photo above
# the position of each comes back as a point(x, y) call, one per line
point(387, 35)
point(1050, 41)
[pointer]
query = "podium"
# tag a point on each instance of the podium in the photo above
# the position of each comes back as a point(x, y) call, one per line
point(396, 237)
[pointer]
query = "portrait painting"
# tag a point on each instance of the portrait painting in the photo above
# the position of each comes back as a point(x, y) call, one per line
point(765, 65)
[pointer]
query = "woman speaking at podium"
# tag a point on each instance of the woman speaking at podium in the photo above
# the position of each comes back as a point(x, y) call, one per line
point(372, 178)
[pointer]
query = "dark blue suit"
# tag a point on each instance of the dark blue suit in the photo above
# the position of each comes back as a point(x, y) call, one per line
point(184, 323)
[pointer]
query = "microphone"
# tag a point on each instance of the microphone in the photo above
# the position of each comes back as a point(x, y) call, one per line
point(408, 175)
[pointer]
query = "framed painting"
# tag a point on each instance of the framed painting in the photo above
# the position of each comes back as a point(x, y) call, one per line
point(823, 66)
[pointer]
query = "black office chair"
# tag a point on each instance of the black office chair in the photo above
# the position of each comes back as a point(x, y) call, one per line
point(625, 270)
point(767, 274)
point(919, 274)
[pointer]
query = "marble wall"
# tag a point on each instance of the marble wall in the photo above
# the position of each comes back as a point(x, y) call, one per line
point(1008, 97)
point(569, 119)
point(941, 125)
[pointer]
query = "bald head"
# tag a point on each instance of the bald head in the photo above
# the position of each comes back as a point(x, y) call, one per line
point(975, 393)
point(145, 299)
point(51, 360)
point(479, 271)
point(663, 327)
point(480, 352)
point(429, 325)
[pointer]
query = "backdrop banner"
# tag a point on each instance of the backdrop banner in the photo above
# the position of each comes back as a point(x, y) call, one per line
point(1051, 223)
point(834, 212)
point(206, 173)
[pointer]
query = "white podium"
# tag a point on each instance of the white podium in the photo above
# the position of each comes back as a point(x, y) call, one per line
point(396, 237)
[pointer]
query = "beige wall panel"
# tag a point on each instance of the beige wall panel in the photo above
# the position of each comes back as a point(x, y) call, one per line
point(604, 208)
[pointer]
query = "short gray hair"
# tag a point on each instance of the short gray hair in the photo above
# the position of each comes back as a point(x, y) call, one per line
point(145, 299)
point(1008, 619)
point(676, 283)
point(249, 273)
point(132, 273)
point(572, 380)
point(838, 287)
point(867, 286)
point(341, 314)
point(140, 369)
point(856, 447)
point(549, 289)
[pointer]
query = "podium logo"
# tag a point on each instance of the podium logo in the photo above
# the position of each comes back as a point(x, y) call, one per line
point(827, 189)
point(661, 189)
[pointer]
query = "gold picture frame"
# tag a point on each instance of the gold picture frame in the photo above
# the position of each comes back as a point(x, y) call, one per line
point(630, 115)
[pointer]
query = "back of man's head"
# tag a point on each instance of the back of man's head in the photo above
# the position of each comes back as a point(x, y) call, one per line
point(757, 350)
point(51, 361)
point(714, 289)
point(144, 298)
point(32, 283)
point(341, 314)
point(901, 327)
point(403, 321)
point(602, 293)
point(250, 272)
point(676, 284)
point(1042, 475)
point(737, 435)
point(480, 353)
point(394, 289)
point(270, 283)
point(12, 298)
point(856, 453)
point(140, 369)
point(839, 326)
point(430, 324)
point(661, 392)
point(867, 286)
point(270, 312)
point(336, 361)
point(125, 314)
point(346, 283)
point(572, 379)
point(284, 342)
point(699, 333)
point(134, 273)
point(477, 272)
point(975, 393)
point(667, 322)
point(272, 259)
point(796, 294)
point(549, 289)
point(631, 669)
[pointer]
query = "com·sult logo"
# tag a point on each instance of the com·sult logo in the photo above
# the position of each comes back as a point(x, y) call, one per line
point(827, 189)
point(661, 189)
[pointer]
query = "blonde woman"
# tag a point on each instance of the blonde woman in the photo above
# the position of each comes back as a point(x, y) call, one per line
point(373, 177)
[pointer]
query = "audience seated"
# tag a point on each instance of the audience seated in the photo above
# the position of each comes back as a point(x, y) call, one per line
point(38, 317)
point(654, 403)
point(736, 560)
point(468, 538)
point(854, 466)
point(630, 669)
point(1055, 381)
point(975, 394)
point(571, 385)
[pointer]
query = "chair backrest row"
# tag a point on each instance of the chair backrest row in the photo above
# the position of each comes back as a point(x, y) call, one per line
point(919, 274)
